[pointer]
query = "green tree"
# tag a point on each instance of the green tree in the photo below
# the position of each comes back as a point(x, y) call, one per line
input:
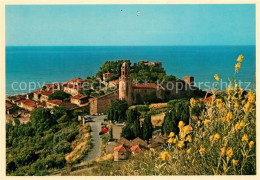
point(59, 95)
point(147, 127)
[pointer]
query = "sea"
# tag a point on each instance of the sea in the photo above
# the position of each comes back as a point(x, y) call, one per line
point(31, 66)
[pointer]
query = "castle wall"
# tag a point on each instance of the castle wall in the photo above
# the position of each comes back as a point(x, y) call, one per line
point(99, 104)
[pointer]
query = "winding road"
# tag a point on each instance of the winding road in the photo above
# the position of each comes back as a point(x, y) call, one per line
point(95, 152)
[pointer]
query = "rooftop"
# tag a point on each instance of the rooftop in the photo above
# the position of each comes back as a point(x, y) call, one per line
point(80, 96)
point(145, 85)
point(121, 148)
point(28, 102)
point(55, 101)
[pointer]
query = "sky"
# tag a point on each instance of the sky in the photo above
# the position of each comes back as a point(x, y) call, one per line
point(119, 25)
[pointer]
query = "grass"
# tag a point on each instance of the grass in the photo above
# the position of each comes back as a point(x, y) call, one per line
point(80, 146)
point(221, 141)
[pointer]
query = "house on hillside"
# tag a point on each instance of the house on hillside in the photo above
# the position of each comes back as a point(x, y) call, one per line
point(79, 99)
point(137, 149)
point(139, 141)
point(121, 152)
point(107, 75)
point(53, 103)
point(27, 104)
point(123, 141)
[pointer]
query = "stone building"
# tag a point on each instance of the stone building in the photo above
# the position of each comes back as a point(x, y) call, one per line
point(108, 75)
point(117, 130)
point(27, 104)
point(121, 152)
point(132, 93)
point(79, 99)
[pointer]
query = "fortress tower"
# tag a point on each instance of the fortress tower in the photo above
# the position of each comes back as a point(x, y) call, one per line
point(125, 84)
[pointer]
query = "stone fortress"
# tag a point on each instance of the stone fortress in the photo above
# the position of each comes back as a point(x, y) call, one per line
point(130, 91)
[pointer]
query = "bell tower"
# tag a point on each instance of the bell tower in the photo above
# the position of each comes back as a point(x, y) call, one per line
point(125, 84)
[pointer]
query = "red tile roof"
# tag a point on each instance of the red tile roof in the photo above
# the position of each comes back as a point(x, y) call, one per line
point(55, 101)
point(137, 148)
point(8, 105)
point(28, 102)
point(18, 98)
point(122, 148)
point(207, 100)
point(47, 93)
point(80, 96)
point(77, 80)
point(145, 86)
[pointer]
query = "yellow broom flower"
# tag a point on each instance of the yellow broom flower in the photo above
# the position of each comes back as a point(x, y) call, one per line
point(219, 103)
point(251, 97)
point(234, 162)
point(206, 122)
point(181, 124)
point(229, 152)
point(188, 138)
point(237, 67)
point(229, 116)
point(171, 134)
point(181, 144)
point(192, 102)
point(188, 151)
point(165, 156)
point(223, 151)
point(216, 137)
point(216, 76)
point(240, 58)
point(245, 138)
point(236, 105)
point(251, 144)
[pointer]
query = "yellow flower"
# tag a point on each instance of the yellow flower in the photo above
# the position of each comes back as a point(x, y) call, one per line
point(192, 102)
point(251, 97)
point(181, 124)
point(229, 152)
point(206, 122)
point(240, 58)
point(171, 134)
point(237, 67)
point(229, 116)
point(223, 150)
point(219, 103)
point(216, 137)
point(216, 77)
point(229, 89)
point(188, 138)
point(187, 129)
point(234, 162)
point(247, 107)
point(172, 140)
point(245, 138)
point(111, 173)
point(165, 156)
point(198, 123)
point(251, 144)
point(236, 105)
point(211, 137)
point(202, 149)
point(180, 144)
point(188, 151)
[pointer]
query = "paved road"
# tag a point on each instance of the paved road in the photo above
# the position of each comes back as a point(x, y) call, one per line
point(95, 152)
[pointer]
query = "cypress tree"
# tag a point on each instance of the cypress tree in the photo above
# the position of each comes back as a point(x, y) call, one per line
point(147, 127)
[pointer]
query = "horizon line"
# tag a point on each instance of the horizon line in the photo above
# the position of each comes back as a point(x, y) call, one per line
point(118, 45)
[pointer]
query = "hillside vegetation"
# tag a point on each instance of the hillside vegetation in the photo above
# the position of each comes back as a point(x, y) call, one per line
point(219, 141)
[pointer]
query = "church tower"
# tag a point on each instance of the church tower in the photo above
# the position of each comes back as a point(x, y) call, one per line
point(125, 84)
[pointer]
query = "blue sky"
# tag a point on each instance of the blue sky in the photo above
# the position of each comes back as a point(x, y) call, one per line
point(94, 25)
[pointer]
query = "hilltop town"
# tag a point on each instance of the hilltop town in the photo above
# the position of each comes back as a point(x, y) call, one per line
point(101, 103)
